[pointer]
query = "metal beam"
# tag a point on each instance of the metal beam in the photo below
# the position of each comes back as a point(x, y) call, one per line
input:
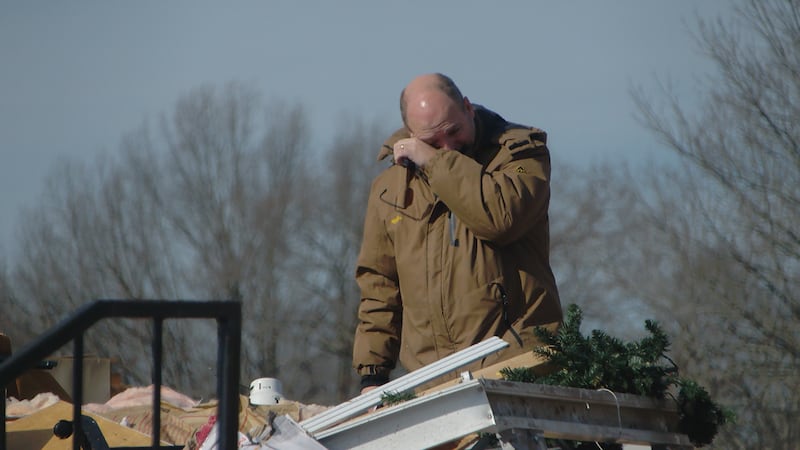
point(518, 412)
point(405, 383)
point(423, 422)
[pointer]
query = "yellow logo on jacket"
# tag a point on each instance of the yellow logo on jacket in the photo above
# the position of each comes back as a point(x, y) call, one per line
point(396, 219)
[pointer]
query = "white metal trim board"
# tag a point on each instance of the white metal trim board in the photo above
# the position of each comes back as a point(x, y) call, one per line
point(423, 422)
point(405, 383)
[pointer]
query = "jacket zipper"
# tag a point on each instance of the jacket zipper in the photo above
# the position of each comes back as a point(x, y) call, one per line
point(504, 298)
point(453, 238)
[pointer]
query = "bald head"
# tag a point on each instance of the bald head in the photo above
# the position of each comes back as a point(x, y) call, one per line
point(426, 84)
point(434, 111)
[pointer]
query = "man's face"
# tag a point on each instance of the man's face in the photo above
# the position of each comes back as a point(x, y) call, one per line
point(441, 123)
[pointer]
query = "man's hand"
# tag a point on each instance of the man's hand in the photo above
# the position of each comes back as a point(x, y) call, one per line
point(414, 150)
point(367, 389)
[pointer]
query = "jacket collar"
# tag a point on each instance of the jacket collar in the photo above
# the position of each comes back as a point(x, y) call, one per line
point(488, 127)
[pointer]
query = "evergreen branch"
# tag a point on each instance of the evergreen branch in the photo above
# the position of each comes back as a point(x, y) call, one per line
point(603, 361)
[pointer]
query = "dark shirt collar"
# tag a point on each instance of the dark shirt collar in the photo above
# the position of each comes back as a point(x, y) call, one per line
point(488, 126)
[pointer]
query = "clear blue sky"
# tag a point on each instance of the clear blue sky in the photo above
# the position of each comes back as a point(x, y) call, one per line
point(76, 76)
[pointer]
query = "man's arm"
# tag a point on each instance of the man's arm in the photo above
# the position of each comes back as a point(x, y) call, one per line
point(498, 204)
point(377, 339)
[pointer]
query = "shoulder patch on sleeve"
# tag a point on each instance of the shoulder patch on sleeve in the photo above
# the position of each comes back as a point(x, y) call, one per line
point(519, 138)
point(538, 137)
point(515, 137)
point(518, 144)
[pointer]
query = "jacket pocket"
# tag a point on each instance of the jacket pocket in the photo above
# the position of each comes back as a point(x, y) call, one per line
point(477, 314)
point(406, 198)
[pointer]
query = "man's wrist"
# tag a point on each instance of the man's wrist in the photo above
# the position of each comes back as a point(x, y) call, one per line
point(373, 375)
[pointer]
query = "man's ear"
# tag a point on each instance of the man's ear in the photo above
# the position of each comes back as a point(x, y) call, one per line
point(468, 107)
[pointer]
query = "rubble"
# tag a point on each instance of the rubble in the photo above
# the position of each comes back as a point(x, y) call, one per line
point(182, 418)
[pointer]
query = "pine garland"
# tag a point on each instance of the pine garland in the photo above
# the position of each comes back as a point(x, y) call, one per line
point(390, 398)
point(602, 361)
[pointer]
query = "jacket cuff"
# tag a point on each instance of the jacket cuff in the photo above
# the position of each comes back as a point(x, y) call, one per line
point(372, 369)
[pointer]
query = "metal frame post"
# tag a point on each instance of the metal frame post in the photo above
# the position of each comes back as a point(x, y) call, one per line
point(229, 319)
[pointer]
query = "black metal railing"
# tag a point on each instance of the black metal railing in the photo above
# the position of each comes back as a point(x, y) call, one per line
point(229, 320)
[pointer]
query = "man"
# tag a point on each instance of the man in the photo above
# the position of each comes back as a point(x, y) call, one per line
point(456, 236)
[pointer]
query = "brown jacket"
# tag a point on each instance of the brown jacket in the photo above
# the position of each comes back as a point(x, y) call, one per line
point(438, 259)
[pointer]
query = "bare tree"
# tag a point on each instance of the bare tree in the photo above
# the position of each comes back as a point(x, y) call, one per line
point(72, 253)
point(207, 210)
point(226, 201)
point(233, 197)
point(330, 247)
point(11, 308)
point(591, 221)
point(727, 222)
